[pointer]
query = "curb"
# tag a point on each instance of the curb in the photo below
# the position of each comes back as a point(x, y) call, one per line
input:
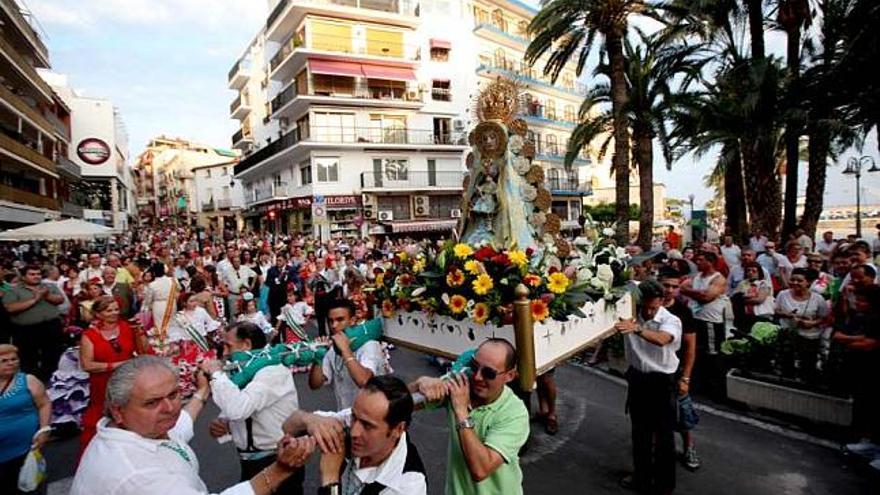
point(739, 418)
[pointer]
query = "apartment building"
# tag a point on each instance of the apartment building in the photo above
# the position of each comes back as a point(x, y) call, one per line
point(38, 181)
point(100, 151)
point(365, 142)
point(188, 183)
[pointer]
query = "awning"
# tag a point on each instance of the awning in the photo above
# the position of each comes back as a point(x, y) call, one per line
point(389, 73)
point(437, 43)
point(423, 226)
point(335, 68)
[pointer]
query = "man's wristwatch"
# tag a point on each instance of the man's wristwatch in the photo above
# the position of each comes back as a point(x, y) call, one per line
point(638, 330)
point(467, 422)
point(331, 489)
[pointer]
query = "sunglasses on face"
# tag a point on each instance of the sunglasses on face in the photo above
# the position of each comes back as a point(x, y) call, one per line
point(487, 372)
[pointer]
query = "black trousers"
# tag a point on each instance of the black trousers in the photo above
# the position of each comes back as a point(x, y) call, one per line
point(9, 475)
point(39, 347)
point(291, 486)
point(652, 409)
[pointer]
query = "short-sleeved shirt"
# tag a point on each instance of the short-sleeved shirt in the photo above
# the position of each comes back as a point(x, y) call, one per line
point(503, 426)
point(813, 307)
point(651, 358)
point(369, 355)
point(40, 312)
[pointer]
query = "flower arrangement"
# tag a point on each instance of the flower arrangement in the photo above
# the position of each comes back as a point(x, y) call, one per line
point(477, 282)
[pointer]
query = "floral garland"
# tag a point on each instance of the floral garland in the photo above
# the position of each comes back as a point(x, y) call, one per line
point(477, 282)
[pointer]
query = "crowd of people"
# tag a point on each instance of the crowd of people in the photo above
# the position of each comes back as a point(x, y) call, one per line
point(125, 343)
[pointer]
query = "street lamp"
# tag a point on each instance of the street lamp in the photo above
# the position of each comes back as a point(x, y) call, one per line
point(854, 167)
point(691, 221)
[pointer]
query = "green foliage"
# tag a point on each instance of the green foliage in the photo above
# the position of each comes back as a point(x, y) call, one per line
point(605, 212)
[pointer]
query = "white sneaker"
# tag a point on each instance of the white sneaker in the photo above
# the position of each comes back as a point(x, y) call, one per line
point(863, 448)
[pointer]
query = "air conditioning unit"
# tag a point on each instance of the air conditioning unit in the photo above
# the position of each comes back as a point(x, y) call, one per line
point(458, 124)
point(421, 206)
point(369, 213)
point(455, 213)
point(386, 215)
point(370, 201)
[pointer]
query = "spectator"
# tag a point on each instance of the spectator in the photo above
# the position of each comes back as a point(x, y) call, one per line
point(731, 252)
point(36, 322)
point(807, 313)
point(753, 298)
point(120, 291)
point(805, 241)
point(707, 291)
point(827, 245)
point(673, 238)
point(757, 241)
point(775, 265)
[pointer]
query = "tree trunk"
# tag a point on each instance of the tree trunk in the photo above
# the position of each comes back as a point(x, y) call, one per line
point(820, 141)
point(755, 10)
point(762, 184)
point(792, 134)
point(620, 160)
point(644, 143)
point(735, 198)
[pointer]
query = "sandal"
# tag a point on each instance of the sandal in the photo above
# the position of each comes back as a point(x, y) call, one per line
point(551, 425)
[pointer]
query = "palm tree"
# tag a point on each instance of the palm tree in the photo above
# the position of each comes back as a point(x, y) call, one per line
point(650, 71)
point(574, 29)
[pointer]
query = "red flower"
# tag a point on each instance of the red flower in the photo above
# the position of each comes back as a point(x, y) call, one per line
point(396, 261)
point(485, 253)
point(405, 280)
point(552, 270)
point(530, 252)
point(547, 298)
point(501, 259)
point(403, 303)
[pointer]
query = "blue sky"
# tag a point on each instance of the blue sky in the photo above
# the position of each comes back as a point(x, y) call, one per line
point(164, 64)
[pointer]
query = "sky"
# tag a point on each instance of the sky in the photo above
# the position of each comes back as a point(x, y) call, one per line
point(164, 64)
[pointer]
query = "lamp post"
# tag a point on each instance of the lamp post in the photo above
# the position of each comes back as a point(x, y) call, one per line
point(691, 221)
point(854, 167)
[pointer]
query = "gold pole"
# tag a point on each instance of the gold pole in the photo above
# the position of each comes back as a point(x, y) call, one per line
point(524, 332)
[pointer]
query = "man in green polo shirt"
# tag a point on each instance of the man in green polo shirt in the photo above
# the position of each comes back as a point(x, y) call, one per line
point(36, 322)
point(489, 423)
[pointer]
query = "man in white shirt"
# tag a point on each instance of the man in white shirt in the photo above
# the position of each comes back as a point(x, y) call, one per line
point(776, 265)
point(238, 279)
point(826, 245)
point(757, 241)
point(347, 371)
point(382, 460)
point(94, 269)
point(253, 415)
point(142, 445)
point(650, 342)
point(731, 252)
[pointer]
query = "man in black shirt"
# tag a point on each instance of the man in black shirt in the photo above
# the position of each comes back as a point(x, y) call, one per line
point(687, 354)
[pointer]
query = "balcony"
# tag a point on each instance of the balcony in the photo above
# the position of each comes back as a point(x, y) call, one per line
point(25, 154)
point(30, 40)
point(239, 74)
point(224, 204)
point(412, 179)
point(494, 33)
point(239, 108)
point(564, 186)
point(68, 169)
point(241, 141)
point(29, 112)
point(517, 70)
point(27, 71)
point(287, 15)
point(292, 55)
point(27, 198)
point(71, 210)
point(362, 92)
point(374, 138)
point(535, 113)
point(268, 193)
point(208, 205)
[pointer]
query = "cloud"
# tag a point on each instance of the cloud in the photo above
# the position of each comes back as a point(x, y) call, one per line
point(85, 14)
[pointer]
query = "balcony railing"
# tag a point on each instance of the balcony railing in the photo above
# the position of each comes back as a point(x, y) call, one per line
point(359, 90)
point(59, 126)
point(23, 150)
point(224, 203)
point(72, 210)
point(27, 30)
point(562, 184)
point(208, 205)
point(346, 45)
point(66, 165)
point(237, 136)
point(402, 7)
point(236, 104)
point(27, 68)
point(270, 191)
point(441, 94)
point(353, 135)
point(495, 29)
point(519, 70)
point(411, 179)
point(27, 198)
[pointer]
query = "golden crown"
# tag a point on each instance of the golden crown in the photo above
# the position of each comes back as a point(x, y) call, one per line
point(499, 100)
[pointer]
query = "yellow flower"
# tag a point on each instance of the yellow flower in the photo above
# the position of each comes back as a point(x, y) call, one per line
point(483, 284)
point(402, 255)
point(457, 304)
point(557, 282)
point(518, 257)
point(472, 267)
point(455, 277)
point(462, 250)
point(539, 308)
point(418, 265)
point(481, 313)
point(380, 279)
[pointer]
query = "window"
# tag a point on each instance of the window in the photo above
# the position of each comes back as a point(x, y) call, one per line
point(442, 130)
point(305, 173)
point(432, 172)
point(568, 80)
point(498, 19)
point(569, 113)
point(440, 90)
point(328, 169)
point(394, 169)
point(334, 127)
point(324, 85)
point(208, 173)
point(387, 128)
point(399, 206)
point(551, 109)
point(276, 180)
point(481, 15)
point(500, 58)
point(439, 54)
point(522, 28)
point(552, 145)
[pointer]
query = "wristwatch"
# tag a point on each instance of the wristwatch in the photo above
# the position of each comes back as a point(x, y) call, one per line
point(467, 422)
point(331, 489)
point(638, 330)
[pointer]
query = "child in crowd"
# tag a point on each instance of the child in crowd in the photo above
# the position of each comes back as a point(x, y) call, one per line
point(292, 320)
point(252, 315)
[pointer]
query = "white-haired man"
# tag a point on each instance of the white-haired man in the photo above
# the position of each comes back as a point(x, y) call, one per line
point(142, 443)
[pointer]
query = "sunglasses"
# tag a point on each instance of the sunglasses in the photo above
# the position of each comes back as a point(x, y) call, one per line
point(487, 372)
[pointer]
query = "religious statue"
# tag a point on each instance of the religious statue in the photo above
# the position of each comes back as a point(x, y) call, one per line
point(505, 202)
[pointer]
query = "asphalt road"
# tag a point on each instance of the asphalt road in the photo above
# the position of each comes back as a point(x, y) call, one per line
point(588, 455)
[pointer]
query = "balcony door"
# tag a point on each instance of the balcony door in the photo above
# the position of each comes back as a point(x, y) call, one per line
point(388, 129)
point(332, 127)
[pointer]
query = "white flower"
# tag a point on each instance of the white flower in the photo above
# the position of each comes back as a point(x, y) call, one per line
point(597, 283)
point(549, 239)
point(522, 165)
point(418, 292)
point(538, 219)
point(609, 296)
point(445, 298)
point(515, 143)
point(584, 275)
point(608, 232)
point(553, 262)
point(529, 192)
point(604, 273)
point(620, 253)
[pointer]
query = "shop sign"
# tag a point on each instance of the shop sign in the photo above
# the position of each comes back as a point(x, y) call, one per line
point(93, 151)
point(341, 201)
